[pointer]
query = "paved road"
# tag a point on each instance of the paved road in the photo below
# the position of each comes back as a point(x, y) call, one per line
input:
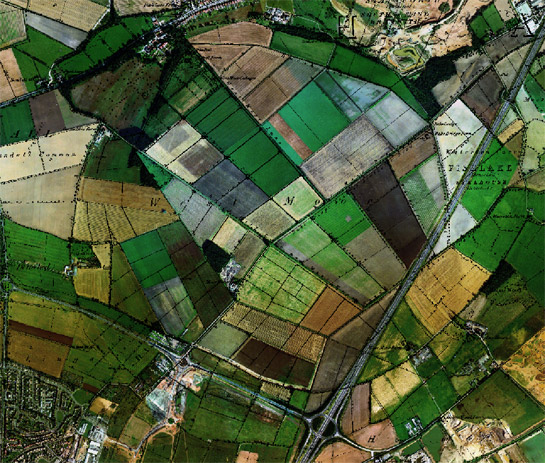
point(332, 411)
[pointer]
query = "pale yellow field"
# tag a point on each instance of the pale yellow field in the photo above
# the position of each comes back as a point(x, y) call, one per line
point(44, 202)
point(242, 33)
point(404, 379)
point(123, 194)
point(229, 235)
point(11, 79)
point(102, 406)
point(93, 283)
point(173, 143)
point(125, 7)
point(104, 254)
point(269, 220)
point(103, 222)
point(511, 130)
point(298, 199)
point(444, 287)
point(526, 366)
point(81, 14)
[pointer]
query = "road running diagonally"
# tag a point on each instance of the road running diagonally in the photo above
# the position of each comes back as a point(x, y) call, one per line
point(315, 440)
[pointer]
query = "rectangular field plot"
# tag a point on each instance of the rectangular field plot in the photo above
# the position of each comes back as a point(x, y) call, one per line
point(269, 220)
point(248, 71)
point(313, 116)
point(176, 278)
point(13, 25)
point(444, 287)
point(372, 251)
point(103, 222)
point(298, 199)
point(395, 119)
point(278, 286)
point(126, 293)
point(413, 154)
point(16, 125)
point(43, 202)
point(458, 133)
point(242, 33)
point(353, 96)
point(349, 154)
point(424, 190)
point(491, 177)
point(382, 199)
point(70, 12)
point(12, 83)
point(37, 352)
point(201, 217)
point(286, 137)
point(484, 97)
point(329, 312)
point(69, 36)
point(173, 143)
point(342, 219)
point(527, 255)
point(293, 339)
point(273, 363)
point(276, 90)
point(313, 247)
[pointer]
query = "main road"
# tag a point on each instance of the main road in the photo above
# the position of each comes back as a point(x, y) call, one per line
point(315, 439)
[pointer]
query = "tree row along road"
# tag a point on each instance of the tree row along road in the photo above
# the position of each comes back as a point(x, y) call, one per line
point(331, 412)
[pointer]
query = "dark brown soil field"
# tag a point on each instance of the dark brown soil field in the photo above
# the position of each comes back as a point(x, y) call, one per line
point(382, 199)
point(274, 363)
point(46, 114)
point(484, 97)
point(412, 154)
point(38, 332)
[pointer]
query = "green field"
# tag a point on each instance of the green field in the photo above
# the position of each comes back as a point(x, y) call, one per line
point(536, 91)
point(253, 151)
point(490, 242)
point(310, 50)
point(42, 48)
point(508, 403)
point(409, 326)
point(432, 441)
point(117, 161)
point(342, 219)
point(159, 449)
point(488, 20)
point(512, 315)
point(103, 45)
point(275, 174)
point(491, 177)
point(419, 404)
point(149, 259)
point(280, 287)
point(16, 123)
point(527, 256)
point(314, 117)
point(316, 15)
point(36, 248)
point(533, 447)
